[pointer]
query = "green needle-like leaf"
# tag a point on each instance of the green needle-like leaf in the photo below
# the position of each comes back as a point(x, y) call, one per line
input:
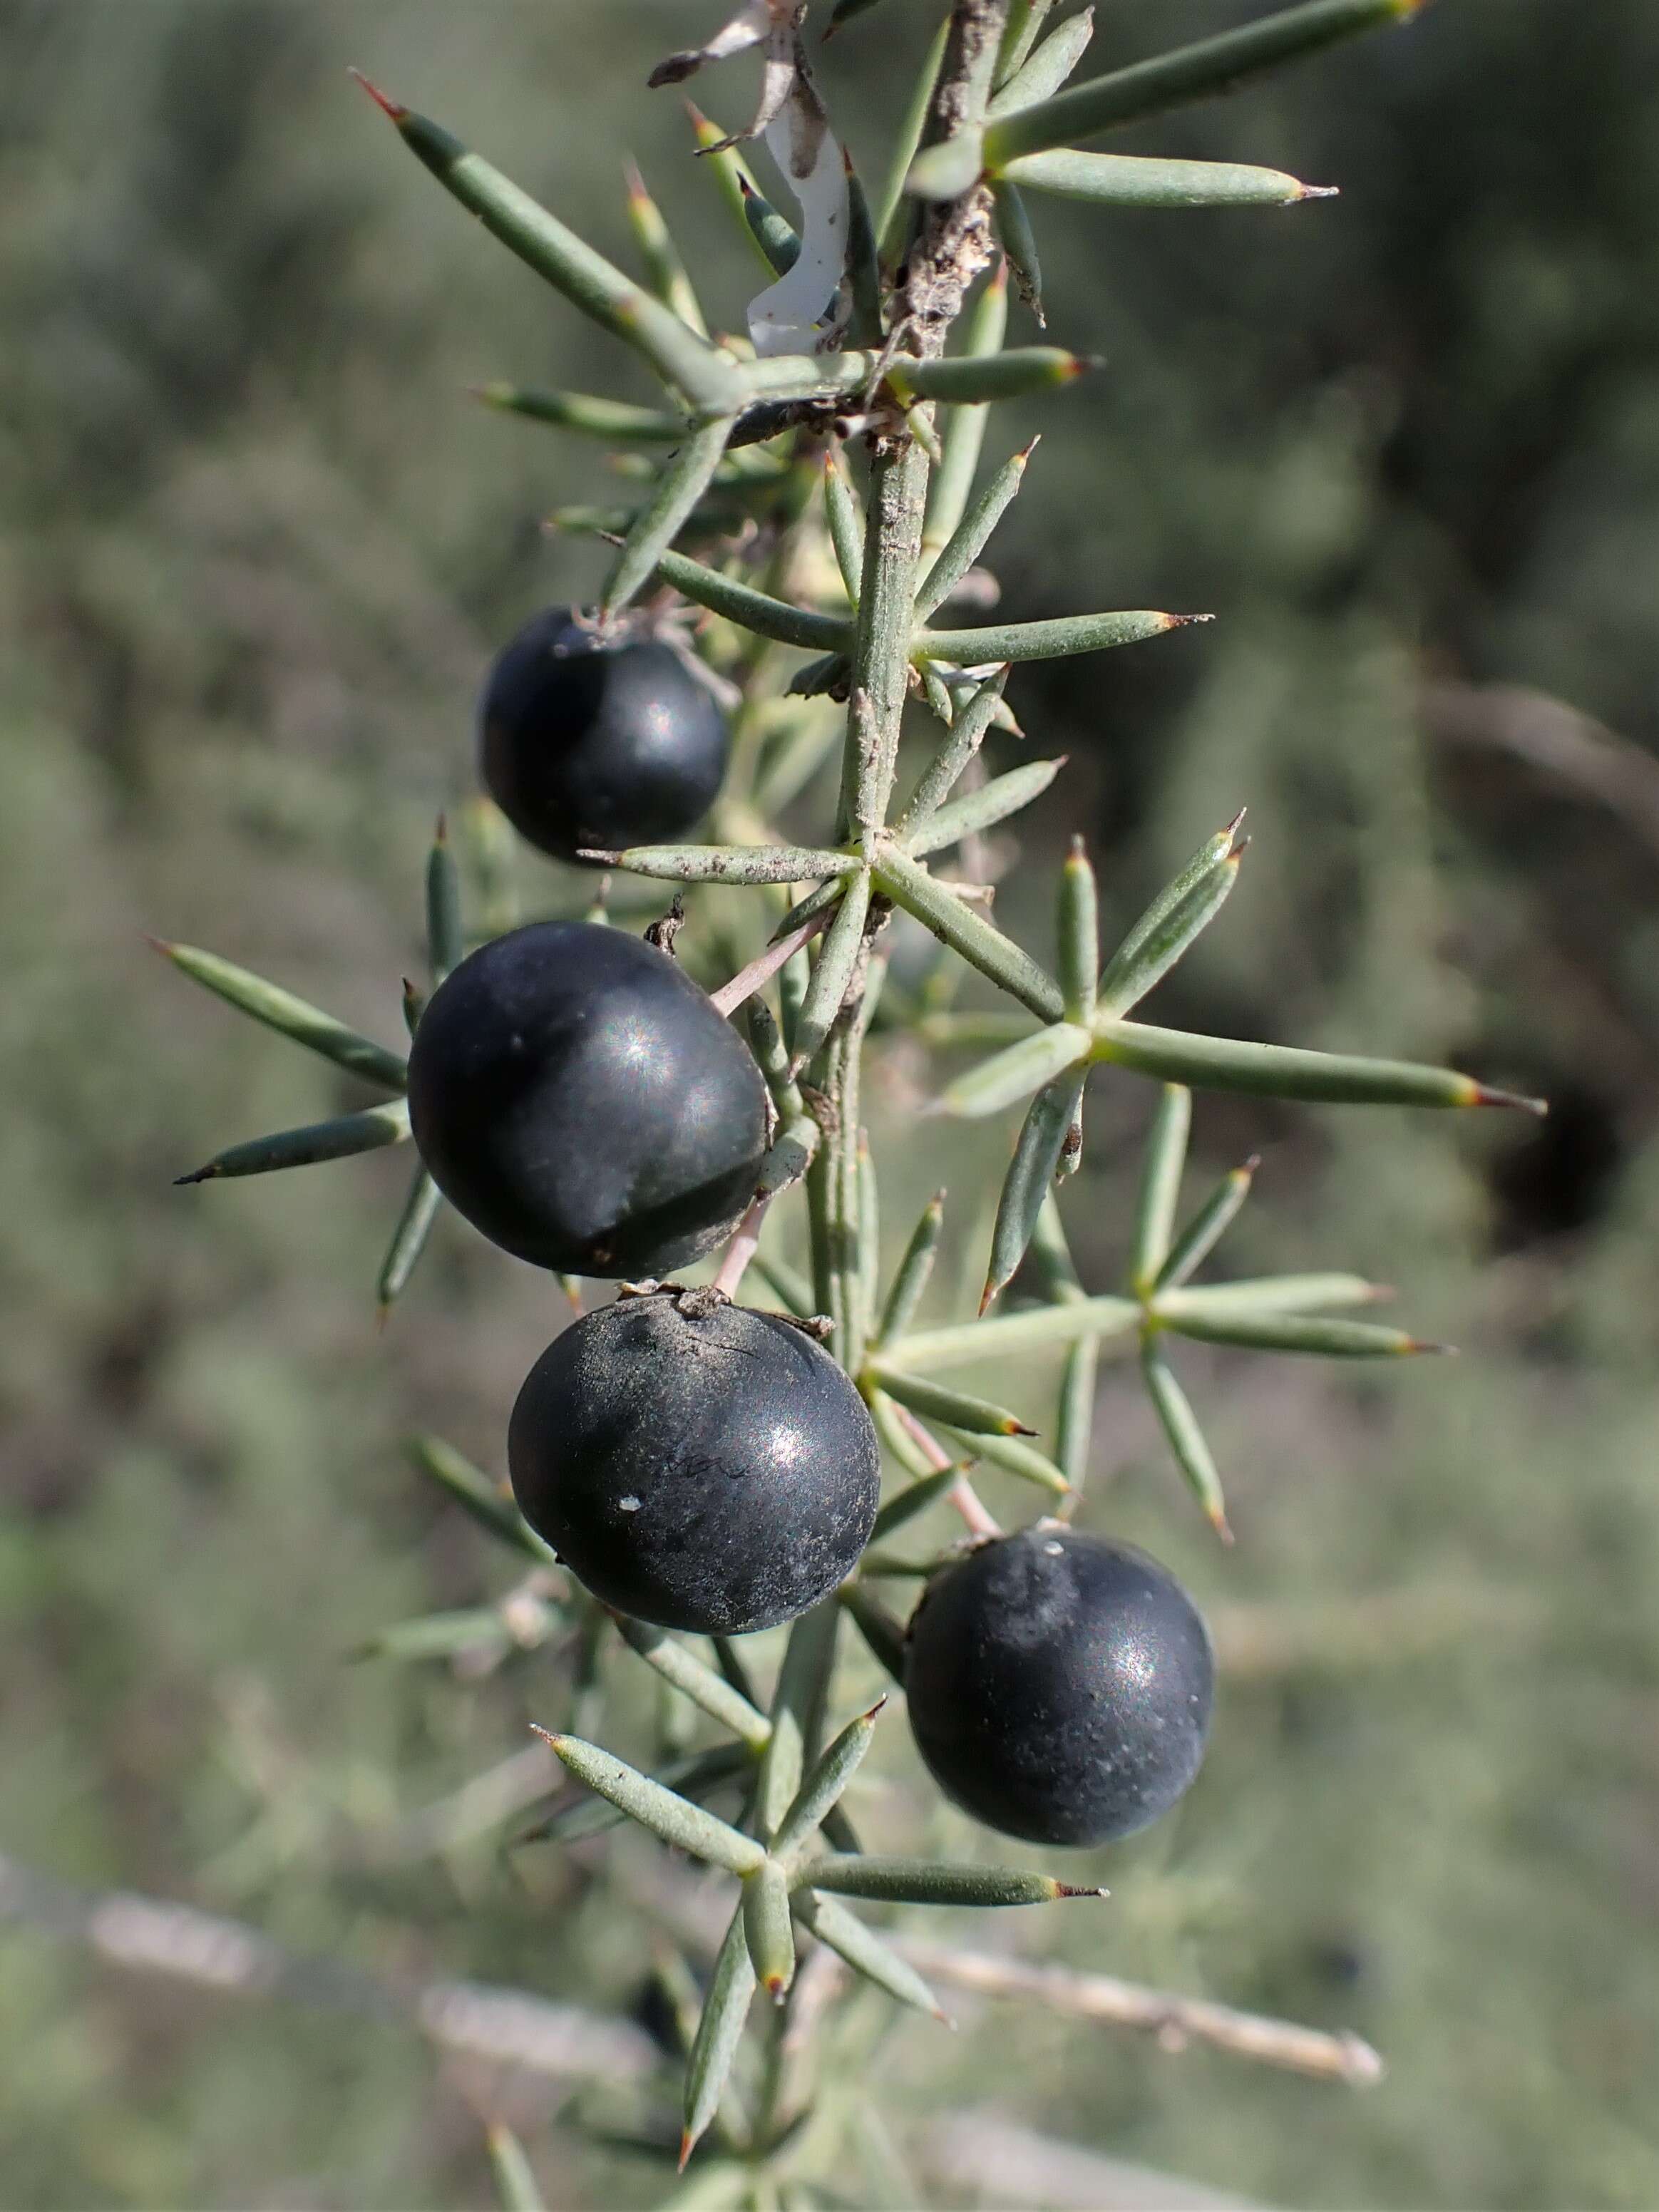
point(1304, 1333)
point(927, 1881)
point(1135, 180)
point(798, 1704)
point(1188, 73)
point(963, 433)
point(823, 1786)
point(614, 420)
point(1045, 640)
point(489, 1504)
point(774, 233)
point(1016, 1071)
point(1074, 1425)
point(672, 1818)
point(446, 938)
point(701, 1685)
point(845, 520)
point(1275, 1070)
point(1033, 1329)
point(732, 864)
point(586, 278)
point(1019, 244)
point(1077, 934)
point(1015, 1456)
point(338, 1139)
point(1160, 1187)
point(719, 2030)
point(1211, 858)
point(752, 610)
point(1269, 1294)
point(683, 483)
point(772, 1058)
point(968, 1415)
point(1180, 1424)
point(972, 380)
point(926, 1490)
point(1030, 1177)
point(975, 811)
point(665, 272)
point(866, 1953)
point(967, 730)
point(966, 931)
point(914, 1269)
point(738, 190)
point(293, 1017)
point(1019, 34)
point(969, 540)
point(869, 1202)
point(880, 1631)
point(863, 265)
point(696, 1775)
point(768, 1929)
point(890, 215)
point(832, 975)
point(1182, 910)
point(440, 1636)
point(1048, 69)
point(1206, 1228)
point(515, 2184)
point(421, 1209)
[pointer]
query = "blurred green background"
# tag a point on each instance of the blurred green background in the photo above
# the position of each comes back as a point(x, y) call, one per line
point(256, 547)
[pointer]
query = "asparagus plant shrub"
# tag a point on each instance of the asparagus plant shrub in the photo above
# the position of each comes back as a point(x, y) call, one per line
point(798, 565)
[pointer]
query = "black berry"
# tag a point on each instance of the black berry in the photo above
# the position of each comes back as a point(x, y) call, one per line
point(1060, 1686)
point(698, 1465)
point(586, 745)
point(577, 1097)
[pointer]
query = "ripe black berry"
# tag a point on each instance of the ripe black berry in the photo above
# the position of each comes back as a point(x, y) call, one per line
point(1060, 1686)
point(699, 1465)
point(577, 1097)
point(589, 746)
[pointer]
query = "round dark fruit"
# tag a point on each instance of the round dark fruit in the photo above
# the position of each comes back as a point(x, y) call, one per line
point(1058, 1686)
point(579, 1100)
point(587, 745)
point(695, 1463)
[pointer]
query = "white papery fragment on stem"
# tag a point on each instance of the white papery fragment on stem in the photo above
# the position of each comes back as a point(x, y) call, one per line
point(804, 310)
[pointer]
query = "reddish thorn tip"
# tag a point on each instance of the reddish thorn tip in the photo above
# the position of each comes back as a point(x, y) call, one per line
point(1484, 1095)
point(1223, 1528)
point(1319, 192)
point(688, 2144)
point(387, 104)
point(551, 1740)
point(875, 1709)
point(1438, 1351)
point(197, 1175)
point(156, 943)
point(1017, 1428)
point(1070, 1889)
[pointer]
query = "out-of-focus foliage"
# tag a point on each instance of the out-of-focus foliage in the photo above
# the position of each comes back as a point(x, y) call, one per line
point(255, 549)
